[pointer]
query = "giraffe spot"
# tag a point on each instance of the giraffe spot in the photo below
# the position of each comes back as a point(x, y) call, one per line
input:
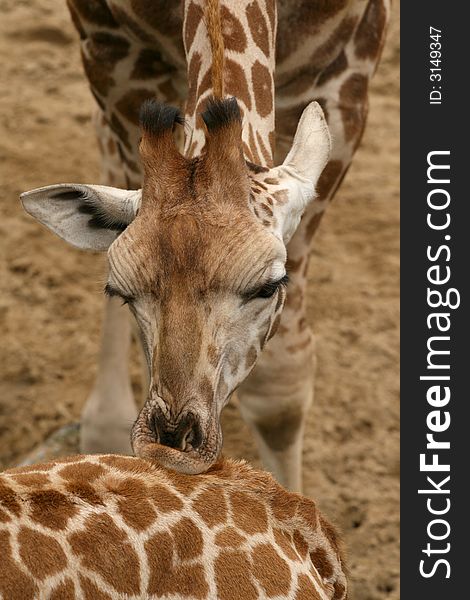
point(334, 69)
point(138, 513)
point(159, 549)
point(33, 480)
point(339, 590)
point(85, 471)
point(271, 181)
point(120, 131)
point(104, 548)
point(232, 577)
point(94, 11)
point(280, 430)
point(51, 508)
point(165, 500)
point(369, 34)
point(353, 105)
point(258, 27)
point(329, 179)
point(127, 22)
point(271, 12)
point(284, 506)
point(84, 491)
point(129, 105)
point(267, 209)
point(126, 464)
point(251, 357)
point(188, 580)
point(263, 89)
point(14, 583)
point(92, 591)
point(184, 484)
point(270, 570)
point(64, 591)
point(8, 499)
point(41, 554)
point(150, 65)
point(188, 539)
point(285, 544)
point(281, 197)
point(232, 31)
point(160, 16)
point(194, 16)
point(102, 53)
point(248, 514)
point(325, 54)
point(300, 544)
point(236, 83)
point(232, 358)
point(206, 388)
point(304, 23)
point(320, 559)
point(229, 537)
point(312, 226)
point(305, 589)
point(268, 160)
point(211, 506)
point(252, 143)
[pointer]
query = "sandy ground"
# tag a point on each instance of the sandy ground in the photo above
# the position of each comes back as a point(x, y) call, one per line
point(50, 302)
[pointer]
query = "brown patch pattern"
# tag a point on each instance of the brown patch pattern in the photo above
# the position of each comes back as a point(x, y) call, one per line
point(41, 554)
point(211, 506)
point(258, 27)
point(248, 514)
point(232, 576)
point(270, 570)
point(262, 88)
point(105, 549)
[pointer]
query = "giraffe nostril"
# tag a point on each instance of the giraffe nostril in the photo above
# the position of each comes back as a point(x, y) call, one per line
point(184, 434)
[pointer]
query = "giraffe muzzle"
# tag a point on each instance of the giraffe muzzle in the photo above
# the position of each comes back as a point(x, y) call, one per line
point(180, 445)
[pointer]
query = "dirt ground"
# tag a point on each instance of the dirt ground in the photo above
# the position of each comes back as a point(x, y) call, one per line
point(50, 301)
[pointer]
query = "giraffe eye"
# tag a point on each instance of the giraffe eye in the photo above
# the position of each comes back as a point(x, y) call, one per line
point(270, 288)
point(112, 292)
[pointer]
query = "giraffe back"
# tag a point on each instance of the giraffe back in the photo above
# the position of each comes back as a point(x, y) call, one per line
point(109, 526)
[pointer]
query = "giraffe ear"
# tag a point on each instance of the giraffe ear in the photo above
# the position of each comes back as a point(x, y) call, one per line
point(303, 165)
point(89, 217)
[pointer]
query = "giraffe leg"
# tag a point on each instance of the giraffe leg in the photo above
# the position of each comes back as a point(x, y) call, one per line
point(278, 393)
point(125, 66)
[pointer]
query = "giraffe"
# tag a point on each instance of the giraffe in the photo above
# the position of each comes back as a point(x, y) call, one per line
point(200, 345)
point(99, 527)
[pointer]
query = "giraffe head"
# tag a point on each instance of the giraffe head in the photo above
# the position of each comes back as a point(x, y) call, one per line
point(199, 256)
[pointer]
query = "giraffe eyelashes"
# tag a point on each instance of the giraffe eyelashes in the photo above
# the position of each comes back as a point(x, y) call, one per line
point(269, 289)
point(112, 292)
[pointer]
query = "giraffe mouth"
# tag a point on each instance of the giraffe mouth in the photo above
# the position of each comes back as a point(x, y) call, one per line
point(190, 462)
point(186, 458)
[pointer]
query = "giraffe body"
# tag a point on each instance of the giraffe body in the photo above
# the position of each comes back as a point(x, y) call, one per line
point(275, 58)
point(102, 527)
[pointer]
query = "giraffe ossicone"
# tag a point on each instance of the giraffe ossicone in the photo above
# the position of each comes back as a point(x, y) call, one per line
point(109, 526)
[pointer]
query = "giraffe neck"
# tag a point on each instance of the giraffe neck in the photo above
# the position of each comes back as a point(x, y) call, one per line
point(249, 33)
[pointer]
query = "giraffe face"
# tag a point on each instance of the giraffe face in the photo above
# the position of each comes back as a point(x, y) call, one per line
point(207, 295)
point(199, 255)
